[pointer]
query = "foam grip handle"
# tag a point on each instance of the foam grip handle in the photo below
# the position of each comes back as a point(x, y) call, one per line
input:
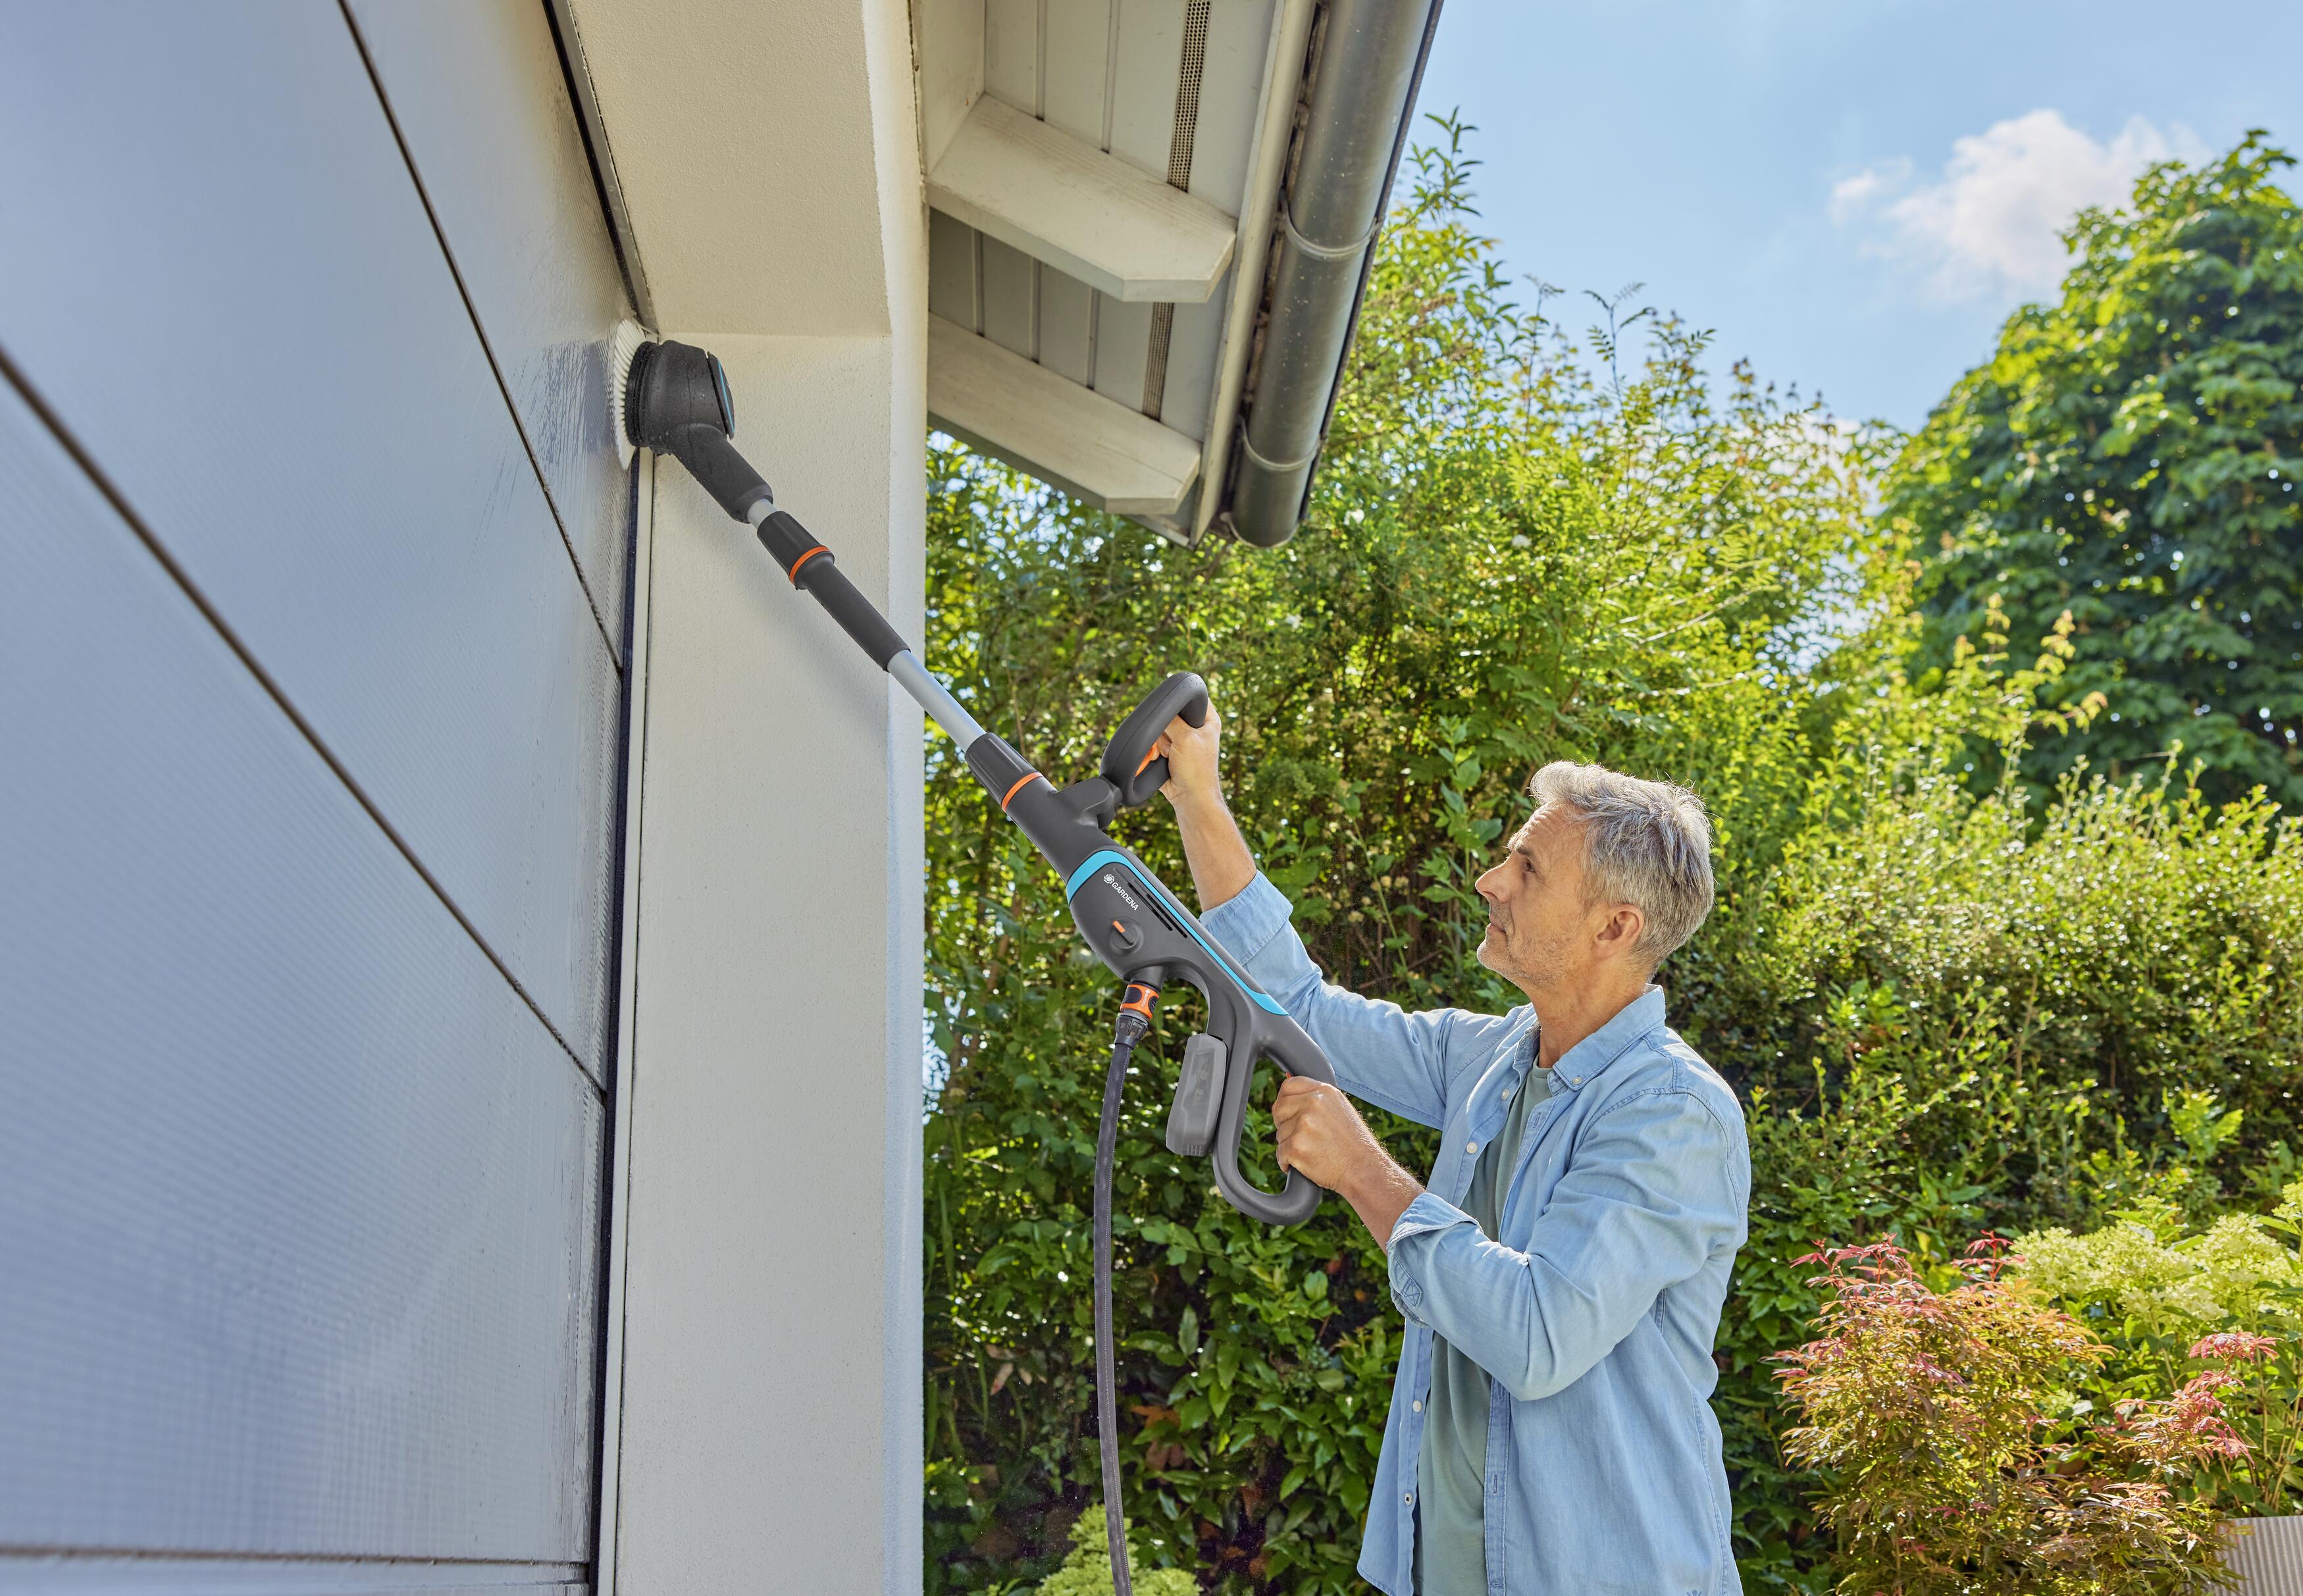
point(1127, 760)
point(1251, 1035)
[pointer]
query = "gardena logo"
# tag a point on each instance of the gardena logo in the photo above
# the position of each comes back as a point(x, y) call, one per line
point(1126, 897)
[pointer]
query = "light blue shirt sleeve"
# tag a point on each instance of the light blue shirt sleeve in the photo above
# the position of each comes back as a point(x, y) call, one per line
point(1379, 1051)
point(1657, 1184)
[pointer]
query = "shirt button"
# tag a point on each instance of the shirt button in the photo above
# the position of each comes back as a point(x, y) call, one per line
point(1418, 1406)
point(1471, 1146)
point(1409, 1499)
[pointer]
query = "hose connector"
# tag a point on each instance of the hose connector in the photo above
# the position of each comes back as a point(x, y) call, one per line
point(1133, 1023)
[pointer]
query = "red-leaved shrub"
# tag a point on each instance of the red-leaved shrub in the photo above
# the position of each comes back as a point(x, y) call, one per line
point(1927, 1411)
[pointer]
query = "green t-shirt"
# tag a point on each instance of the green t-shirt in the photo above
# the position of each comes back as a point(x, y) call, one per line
point(1451, 1472)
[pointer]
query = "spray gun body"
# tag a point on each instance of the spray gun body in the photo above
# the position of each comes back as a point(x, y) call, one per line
point(1131, 922)
point(675, 402)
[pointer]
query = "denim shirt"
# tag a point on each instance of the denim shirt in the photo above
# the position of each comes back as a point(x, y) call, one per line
point(1593, 1312)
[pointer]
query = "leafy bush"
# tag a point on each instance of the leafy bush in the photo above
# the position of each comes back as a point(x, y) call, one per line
point(1926, 1410)
point(1087, 1571)
point(1998, 1010)
point(2167, 1295)
point(1507, 561)
point(2042, 981)
point(1947, 1010)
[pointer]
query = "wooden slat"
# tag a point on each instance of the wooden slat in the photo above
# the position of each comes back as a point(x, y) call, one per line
point(1193, 343)
point(1008, 319)
point(1231, 87)
point(951, 271)
point(1123, 343)
point(1011, 51)
point(1143, 113)
point(948, 45)
point(226, 283)
point(476, 88)
point(1109, 454)
point(1061, 200)
point(303, 1201)
point(1079, 43)
point(1066, 326)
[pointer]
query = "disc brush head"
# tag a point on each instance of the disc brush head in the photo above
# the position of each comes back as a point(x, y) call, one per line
point(623, 347)
point(670, 390)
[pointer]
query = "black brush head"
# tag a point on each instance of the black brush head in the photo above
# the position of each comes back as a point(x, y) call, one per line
point(675, 402)
point(672, 388)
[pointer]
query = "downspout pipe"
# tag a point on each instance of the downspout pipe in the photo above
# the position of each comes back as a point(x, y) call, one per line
point(1370, 64)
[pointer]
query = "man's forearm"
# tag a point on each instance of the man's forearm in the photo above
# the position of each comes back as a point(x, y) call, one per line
point(1379, 1192)
point(1221, 865)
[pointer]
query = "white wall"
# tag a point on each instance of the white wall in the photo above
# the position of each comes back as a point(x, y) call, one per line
point(770, 1434)
point(766, 153)
point(761, 147)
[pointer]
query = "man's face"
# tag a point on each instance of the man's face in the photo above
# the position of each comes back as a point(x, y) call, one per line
point(1540, 929)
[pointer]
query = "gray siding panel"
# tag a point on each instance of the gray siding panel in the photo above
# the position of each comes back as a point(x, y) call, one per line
point(219, 273)
point(39, 1575)
point(476, 91)
point(301, 1199)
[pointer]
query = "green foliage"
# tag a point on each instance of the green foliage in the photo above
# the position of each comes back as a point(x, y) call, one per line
point(1995, 1011)
point(2168, 1292)
point(1948, 1008)
point(1840, 1165)
point(1087, 1571)
point(1507, 561)
point(1927, 1409)
point(2129, 456)
point(2041, 981)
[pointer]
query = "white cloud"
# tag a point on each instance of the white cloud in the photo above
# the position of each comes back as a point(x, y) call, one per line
point(1987, 227)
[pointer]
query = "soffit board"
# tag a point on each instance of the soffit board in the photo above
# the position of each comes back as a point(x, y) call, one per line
point(1168, 89)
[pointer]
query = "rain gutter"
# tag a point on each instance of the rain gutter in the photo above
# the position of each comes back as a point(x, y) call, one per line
point(1370, 55)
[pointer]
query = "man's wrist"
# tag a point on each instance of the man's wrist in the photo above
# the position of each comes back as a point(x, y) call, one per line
point(1203, 809)
point(1380, 1191)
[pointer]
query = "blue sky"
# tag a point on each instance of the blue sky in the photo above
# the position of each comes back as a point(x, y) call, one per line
point(1852, 193)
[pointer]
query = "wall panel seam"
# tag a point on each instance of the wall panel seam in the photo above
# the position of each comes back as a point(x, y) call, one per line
point(617, 1211)
point(605, 181)
point(479, 331)
point(177, 574)
point(132, 1554)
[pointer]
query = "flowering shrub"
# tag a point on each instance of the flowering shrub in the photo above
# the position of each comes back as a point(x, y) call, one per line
point(1927, 1409)
point(2166, 1297)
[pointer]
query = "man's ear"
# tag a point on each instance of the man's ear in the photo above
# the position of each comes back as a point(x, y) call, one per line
point(1620, 932)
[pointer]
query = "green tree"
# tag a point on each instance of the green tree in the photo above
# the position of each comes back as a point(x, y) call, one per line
point(2128, 455)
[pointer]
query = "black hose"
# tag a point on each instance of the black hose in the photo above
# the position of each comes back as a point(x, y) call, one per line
point(1106, 1379)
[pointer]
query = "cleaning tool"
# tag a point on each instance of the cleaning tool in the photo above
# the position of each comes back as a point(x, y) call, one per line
point(673, 398)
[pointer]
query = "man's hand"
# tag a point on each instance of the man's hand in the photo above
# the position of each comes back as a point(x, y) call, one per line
point(1221, 865)
point(1320, 1133)
point(1191, 752)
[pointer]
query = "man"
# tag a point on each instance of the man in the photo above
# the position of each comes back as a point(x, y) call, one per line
point(1562, 1274)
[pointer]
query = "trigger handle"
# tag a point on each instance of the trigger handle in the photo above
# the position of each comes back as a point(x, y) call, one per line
point(1129, 763)
point(1249, 1035)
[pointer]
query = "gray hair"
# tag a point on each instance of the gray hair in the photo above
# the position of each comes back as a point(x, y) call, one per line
point(1645, 843)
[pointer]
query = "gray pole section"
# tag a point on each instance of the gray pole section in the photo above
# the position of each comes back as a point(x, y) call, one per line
point(941, 706)
point(914, 676)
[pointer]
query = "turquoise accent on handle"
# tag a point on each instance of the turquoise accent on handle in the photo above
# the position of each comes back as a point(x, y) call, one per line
point(1079, 879)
